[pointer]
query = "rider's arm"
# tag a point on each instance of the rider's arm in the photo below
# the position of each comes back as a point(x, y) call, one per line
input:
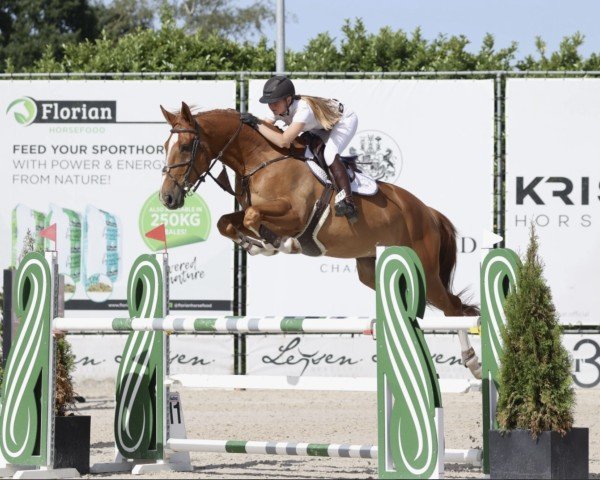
point(285, 139)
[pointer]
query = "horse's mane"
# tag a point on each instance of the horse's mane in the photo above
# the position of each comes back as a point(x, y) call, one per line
point(218, 111)
point(230, 112)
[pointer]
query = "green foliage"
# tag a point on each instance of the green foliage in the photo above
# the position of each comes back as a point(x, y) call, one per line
point(65, 364)
point(537, 392)
point(211, 48)
point(31, 26)
point(220, 17)
point(124, 16)
point(213, 35)
point(167, 49)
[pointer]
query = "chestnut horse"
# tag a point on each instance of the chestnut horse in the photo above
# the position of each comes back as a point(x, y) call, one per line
point(277, 193)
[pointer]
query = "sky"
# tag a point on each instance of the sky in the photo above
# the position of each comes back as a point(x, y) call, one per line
point(507, 20)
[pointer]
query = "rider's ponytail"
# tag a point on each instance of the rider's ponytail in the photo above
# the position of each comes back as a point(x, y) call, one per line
point(327, 111)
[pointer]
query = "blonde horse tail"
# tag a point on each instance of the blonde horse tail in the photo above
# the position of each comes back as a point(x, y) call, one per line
point(447, 258)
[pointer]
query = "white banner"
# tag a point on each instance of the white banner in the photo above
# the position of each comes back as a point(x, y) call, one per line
point(552, 179)
point(97, 357)
point(347, 356)
point(341, 355)
point(436, 140)
point(87, 156)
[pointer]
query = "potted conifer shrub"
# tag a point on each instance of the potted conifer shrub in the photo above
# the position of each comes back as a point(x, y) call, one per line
point(71, 432)
point(535, 407)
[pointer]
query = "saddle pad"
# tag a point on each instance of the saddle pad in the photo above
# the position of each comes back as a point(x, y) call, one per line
point(361, 183)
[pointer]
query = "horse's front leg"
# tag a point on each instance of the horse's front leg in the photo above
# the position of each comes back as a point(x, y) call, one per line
point(279, 213)
point(232, 226)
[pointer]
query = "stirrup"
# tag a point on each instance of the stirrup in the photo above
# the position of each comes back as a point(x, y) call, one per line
point(343, 208)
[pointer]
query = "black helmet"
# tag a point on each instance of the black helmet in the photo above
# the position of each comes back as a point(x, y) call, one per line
point(276, 88)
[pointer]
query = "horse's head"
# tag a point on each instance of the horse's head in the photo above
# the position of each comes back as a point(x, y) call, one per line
point(187, 157)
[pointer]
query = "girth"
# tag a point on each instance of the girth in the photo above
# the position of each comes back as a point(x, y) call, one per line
point(311, 246)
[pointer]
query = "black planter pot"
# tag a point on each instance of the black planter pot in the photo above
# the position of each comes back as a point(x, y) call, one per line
point(72, 443)
point(515, 454)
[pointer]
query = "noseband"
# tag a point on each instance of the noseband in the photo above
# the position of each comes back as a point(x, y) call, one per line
point(188, 187)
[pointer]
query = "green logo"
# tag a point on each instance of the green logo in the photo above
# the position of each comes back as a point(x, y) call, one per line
point(188, 224)
point(24, 110)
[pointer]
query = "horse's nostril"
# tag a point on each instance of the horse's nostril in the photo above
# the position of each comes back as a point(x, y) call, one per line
point(168, 200)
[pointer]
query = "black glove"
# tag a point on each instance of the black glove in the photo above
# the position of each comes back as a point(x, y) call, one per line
point(250, 120)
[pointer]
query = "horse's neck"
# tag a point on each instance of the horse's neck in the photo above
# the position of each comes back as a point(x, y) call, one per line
point(251, 151)
point(246, 152)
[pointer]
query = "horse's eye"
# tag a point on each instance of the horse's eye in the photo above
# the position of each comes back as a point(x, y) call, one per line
point(185, 148)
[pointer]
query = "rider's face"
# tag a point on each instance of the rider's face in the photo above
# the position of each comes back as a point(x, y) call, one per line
point(280, 106)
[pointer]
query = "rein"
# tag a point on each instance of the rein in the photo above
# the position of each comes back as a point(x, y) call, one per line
point(246, 178)
point(222, 180)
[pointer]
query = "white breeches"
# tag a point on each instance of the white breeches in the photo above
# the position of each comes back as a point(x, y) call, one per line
point(340, 136)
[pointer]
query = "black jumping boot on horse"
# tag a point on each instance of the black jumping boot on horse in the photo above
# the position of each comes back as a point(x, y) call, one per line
point(344, 206)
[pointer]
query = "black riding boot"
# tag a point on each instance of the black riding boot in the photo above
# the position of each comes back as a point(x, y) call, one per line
point(346, 205)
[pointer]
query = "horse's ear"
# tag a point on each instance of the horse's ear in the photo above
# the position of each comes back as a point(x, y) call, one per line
point(170, 117)
point(186, 113)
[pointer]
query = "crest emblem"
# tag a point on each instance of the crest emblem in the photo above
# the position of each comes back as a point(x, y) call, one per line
point(379, 156)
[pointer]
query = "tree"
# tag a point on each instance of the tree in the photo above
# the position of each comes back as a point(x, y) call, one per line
point(537, 388)
point(6, 27)
point(124, 16)
point(36, 25)
point(222, 18)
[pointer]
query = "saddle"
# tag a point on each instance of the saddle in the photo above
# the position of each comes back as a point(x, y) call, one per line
point(316, 146)
point(312, 152)
point(311, 149)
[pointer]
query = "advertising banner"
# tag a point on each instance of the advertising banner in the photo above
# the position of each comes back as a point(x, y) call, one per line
point(347, 356)
point(87, 157)
point(552, 181)
point(97, 357)
point(434, 138)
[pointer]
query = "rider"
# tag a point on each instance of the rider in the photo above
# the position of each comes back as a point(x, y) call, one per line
point(318, 115)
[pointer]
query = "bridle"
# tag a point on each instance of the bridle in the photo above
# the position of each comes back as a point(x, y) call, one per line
point(188, 187)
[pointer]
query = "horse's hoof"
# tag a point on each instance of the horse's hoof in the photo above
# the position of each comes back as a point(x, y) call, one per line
point(290, 245)
point(471, 362)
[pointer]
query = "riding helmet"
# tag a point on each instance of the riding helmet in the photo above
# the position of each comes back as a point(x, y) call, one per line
point(276, 88)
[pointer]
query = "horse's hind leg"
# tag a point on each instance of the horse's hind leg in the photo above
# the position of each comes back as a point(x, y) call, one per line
point(441, 298)
point(452, 306)
point(366, 271)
